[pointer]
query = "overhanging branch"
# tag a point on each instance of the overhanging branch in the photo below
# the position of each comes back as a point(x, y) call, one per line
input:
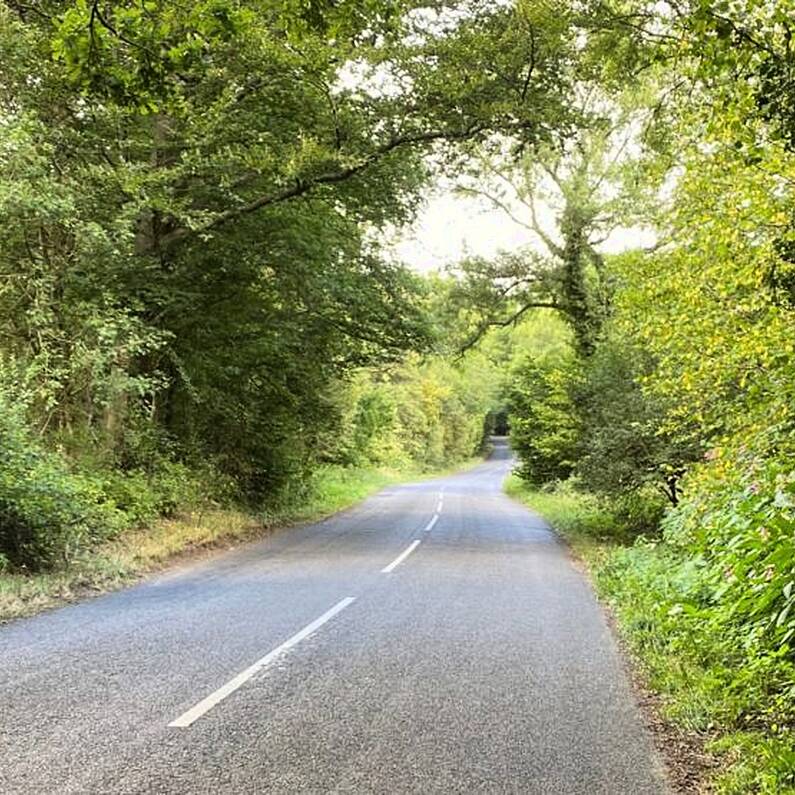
point(504, 322)
point(303, 186)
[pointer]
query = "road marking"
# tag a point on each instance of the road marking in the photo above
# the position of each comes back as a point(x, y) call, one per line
point(194, 713)
point(401, 557)
point(429, 526)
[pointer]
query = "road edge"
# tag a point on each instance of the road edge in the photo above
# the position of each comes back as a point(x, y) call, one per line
point(687, 765)
point(108, 569)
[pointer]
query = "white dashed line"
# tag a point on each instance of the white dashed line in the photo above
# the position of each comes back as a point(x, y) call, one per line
point(204, 706)
point(401, 557)
point(429, 526)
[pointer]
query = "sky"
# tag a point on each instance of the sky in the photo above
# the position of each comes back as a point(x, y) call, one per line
point(451, 227)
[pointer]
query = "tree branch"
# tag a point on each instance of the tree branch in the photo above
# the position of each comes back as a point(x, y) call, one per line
point(97, 14)
point(532, 65)
point(303, 186)
point(23, 8)
point(553, 247)
point(498, 203)
point(514, 318)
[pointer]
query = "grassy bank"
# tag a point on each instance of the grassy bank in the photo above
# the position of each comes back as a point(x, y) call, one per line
point(135, 553)
point(711, 682)
point(577, 516)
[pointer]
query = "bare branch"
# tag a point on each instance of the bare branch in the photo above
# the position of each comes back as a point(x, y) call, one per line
point(534, 225)
point(498, 203)
point(502, 323)
point(553, 247)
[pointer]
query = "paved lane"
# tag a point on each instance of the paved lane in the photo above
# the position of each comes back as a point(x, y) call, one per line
point(338, 657)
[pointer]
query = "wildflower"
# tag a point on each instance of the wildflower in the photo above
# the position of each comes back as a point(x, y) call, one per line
point(754, 488)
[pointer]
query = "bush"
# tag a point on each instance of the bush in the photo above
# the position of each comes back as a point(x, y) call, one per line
point(585, 514)
point(714, 670)
point(638, 512)
point(544, 430)
point(144, 495)
point(625, 444)
point(46, 512)
point(741, 521)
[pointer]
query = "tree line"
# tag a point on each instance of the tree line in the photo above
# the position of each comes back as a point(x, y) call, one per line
point(191, 199)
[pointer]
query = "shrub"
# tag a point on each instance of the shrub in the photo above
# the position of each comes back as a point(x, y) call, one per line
point(638, 512)
point(544, 429)
point(742, 523)
point(46, 512)
point(625, 443)
point(714, 669)
point(144, 495)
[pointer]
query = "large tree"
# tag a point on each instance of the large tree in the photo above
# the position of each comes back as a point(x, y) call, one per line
point(190, 193)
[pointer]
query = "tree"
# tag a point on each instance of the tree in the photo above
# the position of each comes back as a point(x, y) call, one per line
point(624, 445)
point(544, 428)
point(190, 193)
point(591, 180)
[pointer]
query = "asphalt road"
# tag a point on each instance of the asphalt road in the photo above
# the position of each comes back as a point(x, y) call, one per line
point(337, 657)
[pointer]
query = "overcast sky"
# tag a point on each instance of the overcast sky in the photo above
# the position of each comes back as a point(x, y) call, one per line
point(453, 226)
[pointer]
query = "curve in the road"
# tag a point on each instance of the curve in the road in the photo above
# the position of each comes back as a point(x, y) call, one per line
point(434, 639)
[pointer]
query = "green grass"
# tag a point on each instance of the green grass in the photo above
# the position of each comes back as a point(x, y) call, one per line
point(741, 701)
point(136, 553)
point(580, 518)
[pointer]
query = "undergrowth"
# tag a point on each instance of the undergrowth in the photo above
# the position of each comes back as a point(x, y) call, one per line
point(128, 555)
point(715, 677)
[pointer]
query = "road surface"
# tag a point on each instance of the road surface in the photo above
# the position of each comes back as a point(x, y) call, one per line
point(434, 639)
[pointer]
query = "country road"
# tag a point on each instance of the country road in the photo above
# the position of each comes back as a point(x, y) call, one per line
point(435, 638)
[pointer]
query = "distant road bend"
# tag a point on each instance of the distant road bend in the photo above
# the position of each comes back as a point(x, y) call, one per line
point(434, 639)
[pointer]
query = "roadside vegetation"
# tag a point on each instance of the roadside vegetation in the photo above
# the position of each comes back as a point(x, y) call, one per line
point(658, 433)
point(201, 334)
point(715, 683)
point(195, 313)
point(71, 525)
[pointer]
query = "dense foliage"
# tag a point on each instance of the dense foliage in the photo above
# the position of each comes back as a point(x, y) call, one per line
point(191, 198)
point(687, 391)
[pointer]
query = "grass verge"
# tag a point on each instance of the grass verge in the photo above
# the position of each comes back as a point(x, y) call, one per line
point(736, 705)
point(135, 553)
point(578, 517)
